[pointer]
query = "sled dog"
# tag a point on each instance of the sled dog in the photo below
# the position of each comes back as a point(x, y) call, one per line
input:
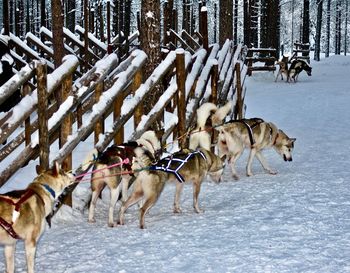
point(255, 134)
point(118, 176)
point(201, 136)
point(282, 71)
point(296, 67)
point(184, 166)
point(22, 213)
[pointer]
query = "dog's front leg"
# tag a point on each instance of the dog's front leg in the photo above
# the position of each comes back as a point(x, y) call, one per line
point(10, 258)
point(179, 187)
point(30, 246)
point(264, 163)
point(145, 208)
point(278, 75)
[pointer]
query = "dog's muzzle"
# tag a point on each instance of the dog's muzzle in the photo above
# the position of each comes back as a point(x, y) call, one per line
point(287, 159)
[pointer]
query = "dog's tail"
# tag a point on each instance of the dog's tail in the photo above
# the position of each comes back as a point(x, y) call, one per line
point(90, 158)
point(220, 114)
point(150, 140)
point(204, 112)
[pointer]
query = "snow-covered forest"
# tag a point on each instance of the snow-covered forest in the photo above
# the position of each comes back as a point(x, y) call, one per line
point(290, 20)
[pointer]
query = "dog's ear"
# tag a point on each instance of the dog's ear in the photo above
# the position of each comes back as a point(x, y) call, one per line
point(293, 139)
point(39, 169)
point(56, 169)
point(223, 158)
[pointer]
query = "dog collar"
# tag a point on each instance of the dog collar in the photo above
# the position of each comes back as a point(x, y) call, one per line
point(50, 190)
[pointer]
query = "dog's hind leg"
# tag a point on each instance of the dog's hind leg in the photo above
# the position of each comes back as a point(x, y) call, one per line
point(196, 190)
point(96, 190)
point(30, 246)
point(264, 163)
point(135, 196)
point(9, 251)
point(113, 200)
point(179, 187)
point(233, 161)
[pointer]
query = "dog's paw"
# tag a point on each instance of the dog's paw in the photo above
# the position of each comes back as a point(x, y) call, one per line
point(199, 210)
point(177, 210)
point(235, 177)
point(112, 224)
point(249, 174)
point(92, 220)
point(272, 172)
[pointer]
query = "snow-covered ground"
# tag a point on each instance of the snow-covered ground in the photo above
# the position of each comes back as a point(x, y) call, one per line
point(295, 221)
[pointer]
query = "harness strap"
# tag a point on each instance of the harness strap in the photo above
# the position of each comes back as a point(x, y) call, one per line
point(175, 171)
point(250, 132)
point(8, 228)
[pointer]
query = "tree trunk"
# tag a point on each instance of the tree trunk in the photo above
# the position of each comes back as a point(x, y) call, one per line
point(225, 21)
point(42, 13)
point(246, 23)
point(57, 31)
point(318, 30)
point(150, 43)
point(254, 11)
point(263, 25)
point(235, 24)
point(346, 27)
point(306, 20)
point(70, 15)
point(338, 28)
point(328, 27)
point(6, 21)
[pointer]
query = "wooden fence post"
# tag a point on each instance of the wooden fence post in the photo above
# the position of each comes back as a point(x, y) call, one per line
point(181, 96)
point(139, 109)
point(119, 135)
point(99, 128)
point(44, 145)
point(27, 128)
point(203, 28)
point(239, 106)
point(214, 83)
point(66, 127)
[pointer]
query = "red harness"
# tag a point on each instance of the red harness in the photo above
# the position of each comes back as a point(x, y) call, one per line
point(8, 226)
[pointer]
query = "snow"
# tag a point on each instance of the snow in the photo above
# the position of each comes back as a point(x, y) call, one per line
point(295, 221)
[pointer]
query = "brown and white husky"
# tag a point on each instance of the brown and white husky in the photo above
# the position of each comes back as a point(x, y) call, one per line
point(117, 178)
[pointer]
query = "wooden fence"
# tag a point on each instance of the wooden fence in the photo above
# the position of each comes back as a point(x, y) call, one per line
point(110, 86)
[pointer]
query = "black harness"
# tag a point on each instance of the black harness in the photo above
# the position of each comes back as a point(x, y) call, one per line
point(174, 163)
point(256, 122)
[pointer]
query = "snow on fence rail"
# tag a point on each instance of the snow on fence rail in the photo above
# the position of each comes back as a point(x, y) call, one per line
point(115, 84)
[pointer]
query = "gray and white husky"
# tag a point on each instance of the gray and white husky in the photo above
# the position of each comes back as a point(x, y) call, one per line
point(256, 135)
